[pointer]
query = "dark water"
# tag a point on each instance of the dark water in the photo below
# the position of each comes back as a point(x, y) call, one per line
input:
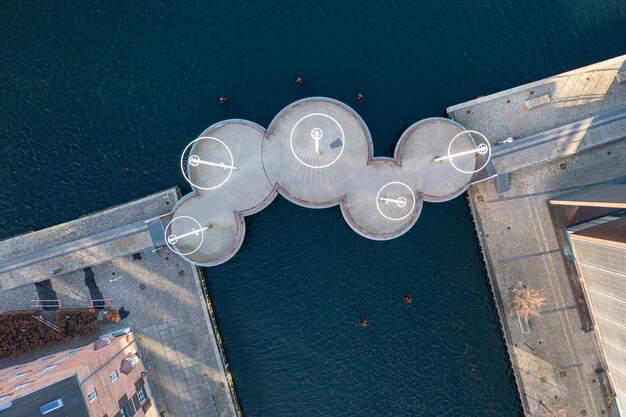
point(98, 98)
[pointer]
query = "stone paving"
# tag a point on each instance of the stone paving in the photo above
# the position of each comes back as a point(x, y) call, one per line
point(556, 363)
point(180, 382)
point(89, 225)
point(557, 358)
point(576, 95)
point(561, 141)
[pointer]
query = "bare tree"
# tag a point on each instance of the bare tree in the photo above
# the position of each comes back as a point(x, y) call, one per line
point(527, 302)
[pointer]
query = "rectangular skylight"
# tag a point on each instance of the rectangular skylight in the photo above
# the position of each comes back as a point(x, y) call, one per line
point(50, 407)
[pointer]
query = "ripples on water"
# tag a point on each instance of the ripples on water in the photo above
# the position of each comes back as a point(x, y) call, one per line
point(97, 99)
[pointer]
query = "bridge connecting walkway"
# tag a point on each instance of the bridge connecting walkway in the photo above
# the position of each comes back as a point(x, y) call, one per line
point(560, 142)
point(316, 153)
point(84, 242)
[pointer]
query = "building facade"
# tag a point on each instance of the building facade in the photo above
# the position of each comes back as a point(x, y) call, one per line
point(600, 253)
point(597, 241)
point(103, 379)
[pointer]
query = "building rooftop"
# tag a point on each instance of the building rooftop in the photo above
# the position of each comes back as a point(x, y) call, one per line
point(613, 195)
point(68, 375)
point(613, 231)
point(599, 248)
point(30, 405)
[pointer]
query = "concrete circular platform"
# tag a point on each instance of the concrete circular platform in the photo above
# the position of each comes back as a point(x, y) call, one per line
point(220, 209)
point(317, 152)
point(207, 163)
point(222, 235)
point(317, 140)
point(420, 147)
point(380, 206)
point(247, 188)
point(309, 171)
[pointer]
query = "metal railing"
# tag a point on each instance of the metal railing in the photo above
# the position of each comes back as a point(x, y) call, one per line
point(48, 323)
point(58, 304)
point(102, 303)
point(37, 304)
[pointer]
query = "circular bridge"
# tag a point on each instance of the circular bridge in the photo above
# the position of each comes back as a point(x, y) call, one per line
point(317, 153)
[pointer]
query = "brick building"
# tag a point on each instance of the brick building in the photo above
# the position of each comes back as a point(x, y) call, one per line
point(103, 379)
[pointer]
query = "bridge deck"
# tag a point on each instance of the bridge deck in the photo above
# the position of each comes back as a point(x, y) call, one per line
point(317, 153)
point(80, 243)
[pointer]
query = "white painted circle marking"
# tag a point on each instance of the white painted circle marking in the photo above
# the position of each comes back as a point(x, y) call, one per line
point(481, 150)
point(194, 161)
point(172, 239)
point(400, 201)
point(343, 140)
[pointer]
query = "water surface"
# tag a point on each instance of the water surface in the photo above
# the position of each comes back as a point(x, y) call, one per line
point(98, 99)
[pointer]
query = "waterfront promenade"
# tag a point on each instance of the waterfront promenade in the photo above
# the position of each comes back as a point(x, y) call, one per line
point(574, 140)
point(165, 296)
point(92, 239)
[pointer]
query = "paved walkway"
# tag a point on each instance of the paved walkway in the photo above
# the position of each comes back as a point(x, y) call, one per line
point(76, 255)
point(555, 363)
point(169, 312)
point(560, 142)
point(575, 95)
point(182, 384)
point(89, 240)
